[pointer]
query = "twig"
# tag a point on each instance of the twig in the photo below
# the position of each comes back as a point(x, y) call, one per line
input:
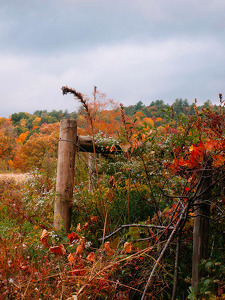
point(150, 186)
point(26, 289)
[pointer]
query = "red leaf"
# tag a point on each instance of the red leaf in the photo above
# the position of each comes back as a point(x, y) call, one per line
point(73, 237)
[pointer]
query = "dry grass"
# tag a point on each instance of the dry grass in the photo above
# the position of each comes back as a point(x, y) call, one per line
point(18, 178)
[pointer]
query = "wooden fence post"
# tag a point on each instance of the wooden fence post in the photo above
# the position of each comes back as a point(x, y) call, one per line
point(201, 221)
point(65, 174)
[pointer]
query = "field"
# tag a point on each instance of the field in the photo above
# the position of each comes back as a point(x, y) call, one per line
point(142, 211)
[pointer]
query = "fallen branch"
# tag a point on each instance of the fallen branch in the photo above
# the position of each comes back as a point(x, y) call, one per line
point(156, 264)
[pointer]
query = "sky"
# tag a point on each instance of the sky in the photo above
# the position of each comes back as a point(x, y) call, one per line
point(132, 50)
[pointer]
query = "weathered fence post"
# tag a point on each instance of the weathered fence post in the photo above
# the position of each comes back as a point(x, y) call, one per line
point(92, 171)
point(201, 220)
point(65, 174)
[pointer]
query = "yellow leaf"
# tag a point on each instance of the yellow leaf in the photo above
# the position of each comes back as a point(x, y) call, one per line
point(191, 148)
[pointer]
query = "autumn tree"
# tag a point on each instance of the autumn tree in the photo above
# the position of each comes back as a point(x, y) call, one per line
point(7, 143)
point(38, 149)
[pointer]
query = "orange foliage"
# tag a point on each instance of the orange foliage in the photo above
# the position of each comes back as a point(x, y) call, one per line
point(37, 147)
point(36, 121)
point(7, 141)
point(105, 115)
point(138, 115)
point(22, 137)
point(148, 121)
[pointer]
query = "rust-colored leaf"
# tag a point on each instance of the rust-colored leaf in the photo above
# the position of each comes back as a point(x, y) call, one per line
point(91, 257)
point(94, 219)
point(80, 248)
point(110, 195)
point(128, 247)
point(108, 249)
point(44, 238)
point(58, 250)
point(86, 225)
point(112, 181)
point(112, 148)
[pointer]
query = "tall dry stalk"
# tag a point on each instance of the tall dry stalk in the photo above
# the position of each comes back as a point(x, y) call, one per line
point(80, 97)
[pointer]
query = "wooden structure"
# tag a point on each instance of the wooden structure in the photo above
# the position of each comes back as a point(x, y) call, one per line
point(69, 144)
point(201, 221)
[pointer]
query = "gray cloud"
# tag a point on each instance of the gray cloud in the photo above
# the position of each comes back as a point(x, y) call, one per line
point(132, 50)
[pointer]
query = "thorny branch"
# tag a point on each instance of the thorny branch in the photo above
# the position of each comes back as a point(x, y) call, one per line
point(156, 264)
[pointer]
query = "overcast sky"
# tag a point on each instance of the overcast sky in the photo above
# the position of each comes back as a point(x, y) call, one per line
point(131, 50)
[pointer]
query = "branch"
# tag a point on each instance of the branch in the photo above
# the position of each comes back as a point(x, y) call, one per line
point(135, 225)
point(176, 266)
